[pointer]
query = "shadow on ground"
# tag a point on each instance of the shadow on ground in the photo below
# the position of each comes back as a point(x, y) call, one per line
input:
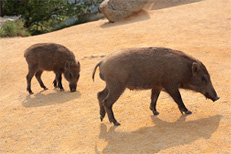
point(40, 99)
point(161, 136)
point(141, 16)
point(161, 4)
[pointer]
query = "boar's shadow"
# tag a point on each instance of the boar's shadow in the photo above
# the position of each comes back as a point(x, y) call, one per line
point(40, 99)
point(161, 136)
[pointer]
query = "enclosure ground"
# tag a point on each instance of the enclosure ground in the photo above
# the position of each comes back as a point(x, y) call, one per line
point(63, 122)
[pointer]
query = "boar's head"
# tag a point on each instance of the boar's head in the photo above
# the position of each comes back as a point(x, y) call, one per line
point(201, 81)
point(71, 73)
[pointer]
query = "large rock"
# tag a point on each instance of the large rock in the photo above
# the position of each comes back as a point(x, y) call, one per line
point(115, 10)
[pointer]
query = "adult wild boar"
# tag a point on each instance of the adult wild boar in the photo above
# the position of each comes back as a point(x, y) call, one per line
point(52, 57)
point(153, 68)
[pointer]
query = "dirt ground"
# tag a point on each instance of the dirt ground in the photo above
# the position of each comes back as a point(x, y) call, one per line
point(62, 122)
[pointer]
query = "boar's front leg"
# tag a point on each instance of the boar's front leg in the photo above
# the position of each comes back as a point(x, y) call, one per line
point(59, 79)
point(154, 97)
point(175, 94)
point(38, 76)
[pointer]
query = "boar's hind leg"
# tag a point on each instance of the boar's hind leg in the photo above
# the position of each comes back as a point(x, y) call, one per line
point(38, 76)
point(55, 83)
point(59, 79)
point(175, 94)
point(101, 96)
point(32, 70)
point(154, 97)
point(113, 95)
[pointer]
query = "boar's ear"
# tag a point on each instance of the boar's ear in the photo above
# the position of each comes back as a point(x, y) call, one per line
point(195, 67)
point(78, 66)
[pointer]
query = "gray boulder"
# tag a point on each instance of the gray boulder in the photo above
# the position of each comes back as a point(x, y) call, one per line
point(115, 10)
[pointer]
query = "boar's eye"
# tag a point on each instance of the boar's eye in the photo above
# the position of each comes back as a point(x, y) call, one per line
point(204, 79)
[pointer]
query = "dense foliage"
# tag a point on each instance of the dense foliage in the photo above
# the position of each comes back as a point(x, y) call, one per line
point(13, 28)
point(45, 15)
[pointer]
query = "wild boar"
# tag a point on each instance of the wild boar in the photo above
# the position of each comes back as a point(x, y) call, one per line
point(52, 57)
point(154, 68)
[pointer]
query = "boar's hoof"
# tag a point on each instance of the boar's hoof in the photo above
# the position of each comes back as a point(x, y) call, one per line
point(116, 123)
point(61, 89)
point(45, 88)
point(31, 93)
point(188, 112)
point(152, 109)
point(101, 118)
point(155, 112)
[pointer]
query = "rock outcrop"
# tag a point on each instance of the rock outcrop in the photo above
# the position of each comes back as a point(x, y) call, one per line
point(115, 10)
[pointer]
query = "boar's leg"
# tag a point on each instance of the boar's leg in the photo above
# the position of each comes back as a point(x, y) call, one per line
point(101, 96)
point(175, 94)
point(32, 70)
point(55, 83)
point(59, 79)
point(114, 93)
point(154, 97)
point(38, 76)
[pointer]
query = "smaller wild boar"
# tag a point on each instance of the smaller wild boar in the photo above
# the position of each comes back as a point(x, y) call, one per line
point(52, 57)
point(154, 68)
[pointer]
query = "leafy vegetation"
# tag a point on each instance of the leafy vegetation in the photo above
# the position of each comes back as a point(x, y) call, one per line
point(41, 16)
point(13, 28)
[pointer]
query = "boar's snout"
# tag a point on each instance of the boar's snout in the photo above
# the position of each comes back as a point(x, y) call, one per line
point(212, 95)
point(72, 87)
point(216, 98)
point(72, 75)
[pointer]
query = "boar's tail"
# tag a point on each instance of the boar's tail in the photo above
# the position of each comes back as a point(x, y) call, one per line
point(93, 74)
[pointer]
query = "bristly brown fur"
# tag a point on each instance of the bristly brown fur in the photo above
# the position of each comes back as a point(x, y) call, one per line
point(52, 57)
point(155, 68)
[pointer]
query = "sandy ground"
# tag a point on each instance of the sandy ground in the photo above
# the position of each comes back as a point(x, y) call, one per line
point(62, 122)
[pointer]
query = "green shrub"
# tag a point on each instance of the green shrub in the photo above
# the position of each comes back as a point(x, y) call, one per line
point(13, 28)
